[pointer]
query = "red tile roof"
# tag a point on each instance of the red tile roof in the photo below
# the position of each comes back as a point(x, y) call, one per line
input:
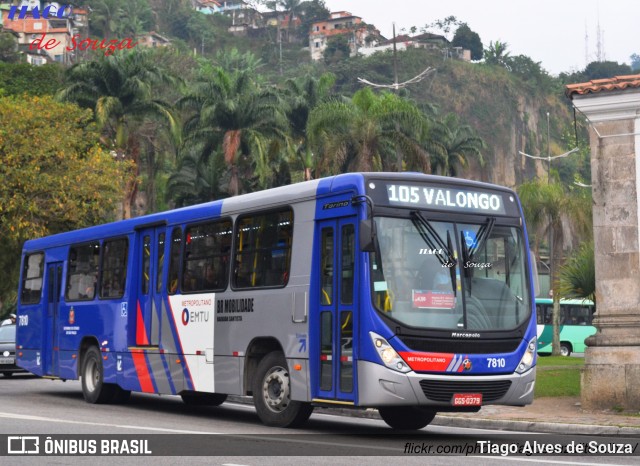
point(617, 83)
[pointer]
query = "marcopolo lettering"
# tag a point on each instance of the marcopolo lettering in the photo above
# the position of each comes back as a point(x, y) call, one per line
point(49, 11)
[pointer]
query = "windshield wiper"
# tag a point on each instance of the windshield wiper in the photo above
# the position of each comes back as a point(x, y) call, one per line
point(435, 242)
point(481, 238)
point(468, 253)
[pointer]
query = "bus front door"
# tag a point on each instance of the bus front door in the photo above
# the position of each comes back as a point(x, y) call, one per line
point(149, 304)
point(335, 377)
point(50, 359)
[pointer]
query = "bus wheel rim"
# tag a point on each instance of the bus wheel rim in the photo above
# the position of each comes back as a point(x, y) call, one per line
point(92, 375)
point(275, 389)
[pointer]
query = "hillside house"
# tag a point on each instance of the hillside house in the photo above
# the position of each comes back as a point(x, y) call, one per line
point(340, 23)
point(425, 41)
point(29, 29)
point(152, 39)
point(281, 21)
point(218, 6)
point(242, 20)
point(243, 16)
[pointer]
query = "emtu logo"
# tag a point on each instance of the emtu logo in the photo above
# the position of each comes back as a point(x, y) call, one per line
point(50, 11)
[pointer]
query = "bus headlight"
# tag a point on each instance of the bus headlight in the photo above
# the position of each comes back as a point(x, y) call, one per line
point(528, 358)
point(388, 355)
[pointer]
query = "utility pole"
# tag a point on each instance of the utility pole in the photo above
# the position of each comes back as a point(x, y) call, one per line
point(280, 46)
point(395, 59)
point(396, 86)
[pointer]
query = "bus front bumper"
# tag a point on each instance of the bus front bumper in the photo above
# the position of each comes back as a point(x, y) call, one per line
point(380, 386)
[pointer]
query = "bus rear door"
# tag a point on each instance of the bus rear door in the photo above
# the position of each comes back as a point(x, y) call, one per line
point(151, 246)
point(51, 345)
point(335, 377)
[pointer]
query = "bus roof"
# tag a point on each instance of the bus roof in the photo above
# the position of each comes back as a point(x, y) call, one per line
point(261, 199)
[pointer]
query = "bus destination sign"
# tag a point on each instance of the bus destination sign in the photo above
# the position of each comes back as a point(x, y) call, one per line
point(445, 198)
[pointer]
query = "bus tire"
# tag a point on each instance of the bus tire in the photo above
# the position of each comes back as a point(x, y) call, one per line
point(94, 389)
point(565, 349)
point(272, 394)
point(203, 399)
point(406, 417)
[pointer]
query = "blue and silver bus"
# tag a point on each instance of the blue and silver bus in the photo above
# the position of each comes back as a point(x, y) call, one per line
point(405, 292)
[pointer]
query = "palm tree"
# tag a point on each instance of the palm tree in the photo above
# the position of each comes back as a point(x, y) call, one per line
point(552, 212)
point(496, 54)
point(303, 95)
point(197, 180)
point(452, 144)
point(578, 274)
point(232, 113)
point(105, 15)
point(232, 60)
point(119, 89)
point(362, 133)
point(135, 17)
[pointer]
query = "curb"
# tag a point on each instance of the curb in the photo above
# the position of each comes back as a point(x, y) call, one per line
point(482, 423)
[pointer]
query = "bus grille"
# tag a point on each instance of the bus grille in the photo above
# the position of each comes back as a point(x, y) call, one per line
point(436, 345)
point(443, 390)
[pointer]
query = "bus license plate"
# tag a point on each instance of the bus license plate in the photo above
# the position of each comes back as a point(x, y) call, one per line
point(467, 399)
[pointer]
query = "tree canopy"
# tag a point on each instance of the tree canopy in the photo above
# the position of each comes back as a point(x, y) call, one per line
point(468, 39)
point(54, 177)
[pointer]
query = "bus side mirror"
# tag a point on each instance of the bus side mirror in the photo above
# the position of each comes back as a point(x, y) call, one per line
point(367, 235)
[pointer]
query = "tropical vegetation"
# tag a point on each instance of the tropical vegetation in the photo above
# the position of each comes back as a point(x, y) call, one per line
point(218, 115)
point(54, 176)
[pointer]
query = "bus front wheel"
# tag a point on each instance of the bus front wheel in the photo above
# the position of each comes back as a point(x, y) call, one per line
point(94, 389)
point(272, 394)
point(406, 417)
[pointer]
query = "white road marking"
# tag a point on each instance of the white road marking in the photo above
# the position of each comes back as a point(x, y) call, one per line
point(180, 431)
point(101, 424)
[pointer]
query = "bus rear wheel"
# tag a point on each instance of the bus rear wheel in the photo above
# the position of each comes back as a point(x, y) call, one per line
point(272, 394)
point(565, 349)
point(94, 389)
point(406, 417)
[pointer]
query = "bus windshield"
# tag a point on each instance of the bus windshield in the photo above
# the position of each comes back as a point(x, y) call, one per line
point(450, 276)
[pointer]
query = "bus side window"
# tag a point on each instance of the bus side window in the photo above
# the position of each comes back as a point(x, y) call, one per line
point(114, 268)
point(540, 314)
point(262, 255)
point(32, 278)
point(82, 272)
point(564, 315)
point(206, 256)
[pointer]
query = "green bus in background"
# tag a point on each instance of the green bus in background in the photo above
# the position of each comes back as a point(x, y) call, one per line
point(576, 317)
